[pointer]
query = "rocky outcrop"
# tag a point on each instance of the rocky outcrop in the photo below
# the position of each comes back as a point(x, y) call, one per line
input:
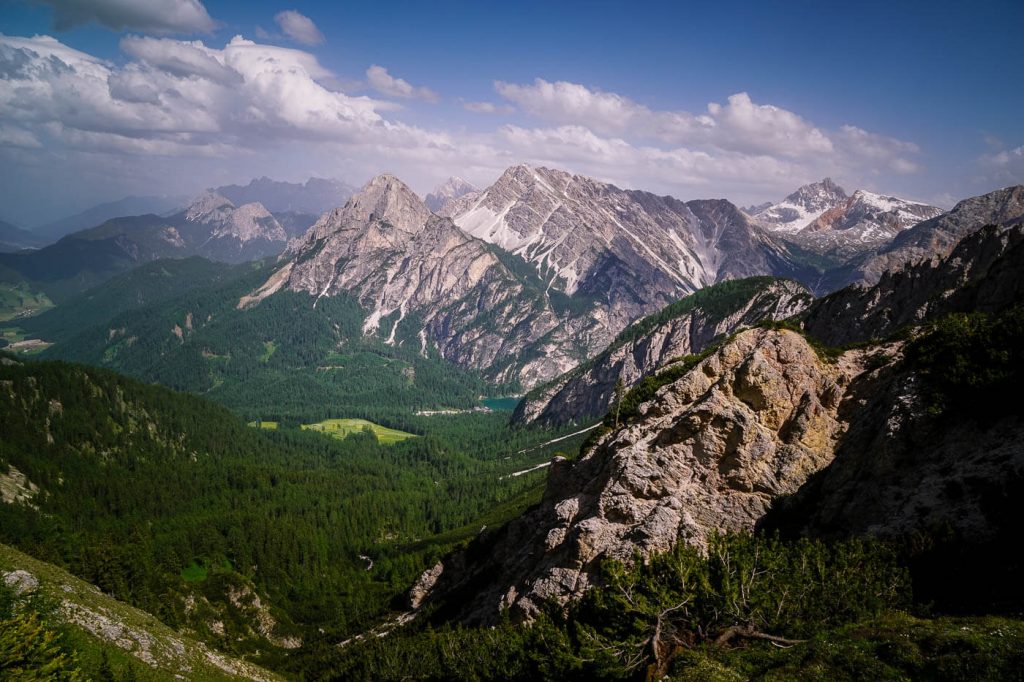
point(710, 452)
point(902, 470)
point(684, 328)
point(764, 434)
point(984, 272)
point(931, 238)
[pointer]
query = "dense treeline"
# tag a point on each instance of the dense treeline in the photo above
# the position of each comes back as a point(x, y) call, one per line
point(138, 484)
point(148, 284)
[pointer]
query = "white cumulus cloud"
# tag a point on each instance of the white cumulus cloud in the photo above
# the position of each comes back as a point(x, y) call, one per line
point(175, 112)
point(299, 27)
point(386, 84)
point(485, 108)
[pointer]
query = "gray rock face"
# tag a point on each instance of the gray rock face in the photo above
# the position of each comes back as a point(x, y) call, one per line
point(934, 237)
point(984, 272)
point(708, 453)
point(690, 326)
point(610, 256)
point(233, 229)
point(901, 470)
point(634, 249)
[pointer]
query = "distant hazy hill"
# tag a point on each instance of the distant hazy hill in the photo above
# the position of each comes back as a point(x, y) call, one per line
point(129, 206)
point(13, 238)
point(316, 195)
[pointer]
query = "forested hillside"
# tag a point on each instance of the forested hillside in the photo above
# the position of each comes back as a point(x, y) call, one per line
point(252, 539)
point(290, 359)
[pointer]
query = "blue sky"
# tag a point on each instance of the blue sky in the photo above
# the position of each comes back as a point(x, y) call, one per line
point(739, 100)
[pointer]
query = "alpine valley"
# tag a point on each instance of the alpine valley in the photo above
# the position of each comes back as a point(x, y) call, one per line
point(543, 429)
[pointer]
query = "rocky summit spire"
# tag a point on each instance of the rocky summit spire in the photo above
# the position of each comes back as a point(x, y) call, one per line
point(388, 199)
point(209, 206)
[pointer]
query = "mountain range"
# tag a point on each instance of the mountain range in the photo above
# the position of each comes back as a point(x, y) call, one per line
point(717, 373)
point(211, 226)
point(13, 238)
point(128, 206)
point(822, 218)
point(527, 278)
point(315, 196)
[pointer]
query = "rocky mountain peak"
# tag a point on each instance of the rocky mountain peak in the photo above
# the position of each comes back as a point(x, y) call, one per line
point(452, 188)
point(934, 237)
point(386, 198)
point(802, 206)
point(522, 178)
point(249, 222)
point(816, 195)
point(1001, 207)
point(209, 207)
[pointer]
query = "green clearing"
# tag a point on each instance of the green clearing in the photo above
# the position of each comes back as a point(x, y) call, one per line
point(17, 301)
point(270, 426)
point(342, 428)
point(269, 348)
point(198, 571)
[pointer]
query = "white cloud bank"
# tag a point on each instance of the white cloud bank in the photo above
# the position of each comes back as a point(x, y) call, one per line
point(180, 112)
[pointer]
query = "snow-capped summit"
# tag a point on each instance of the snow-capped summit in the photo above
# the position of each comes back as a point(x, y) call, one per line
point(796, 211)
point(863, 222)
point(452, 188)
point(821, 217)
